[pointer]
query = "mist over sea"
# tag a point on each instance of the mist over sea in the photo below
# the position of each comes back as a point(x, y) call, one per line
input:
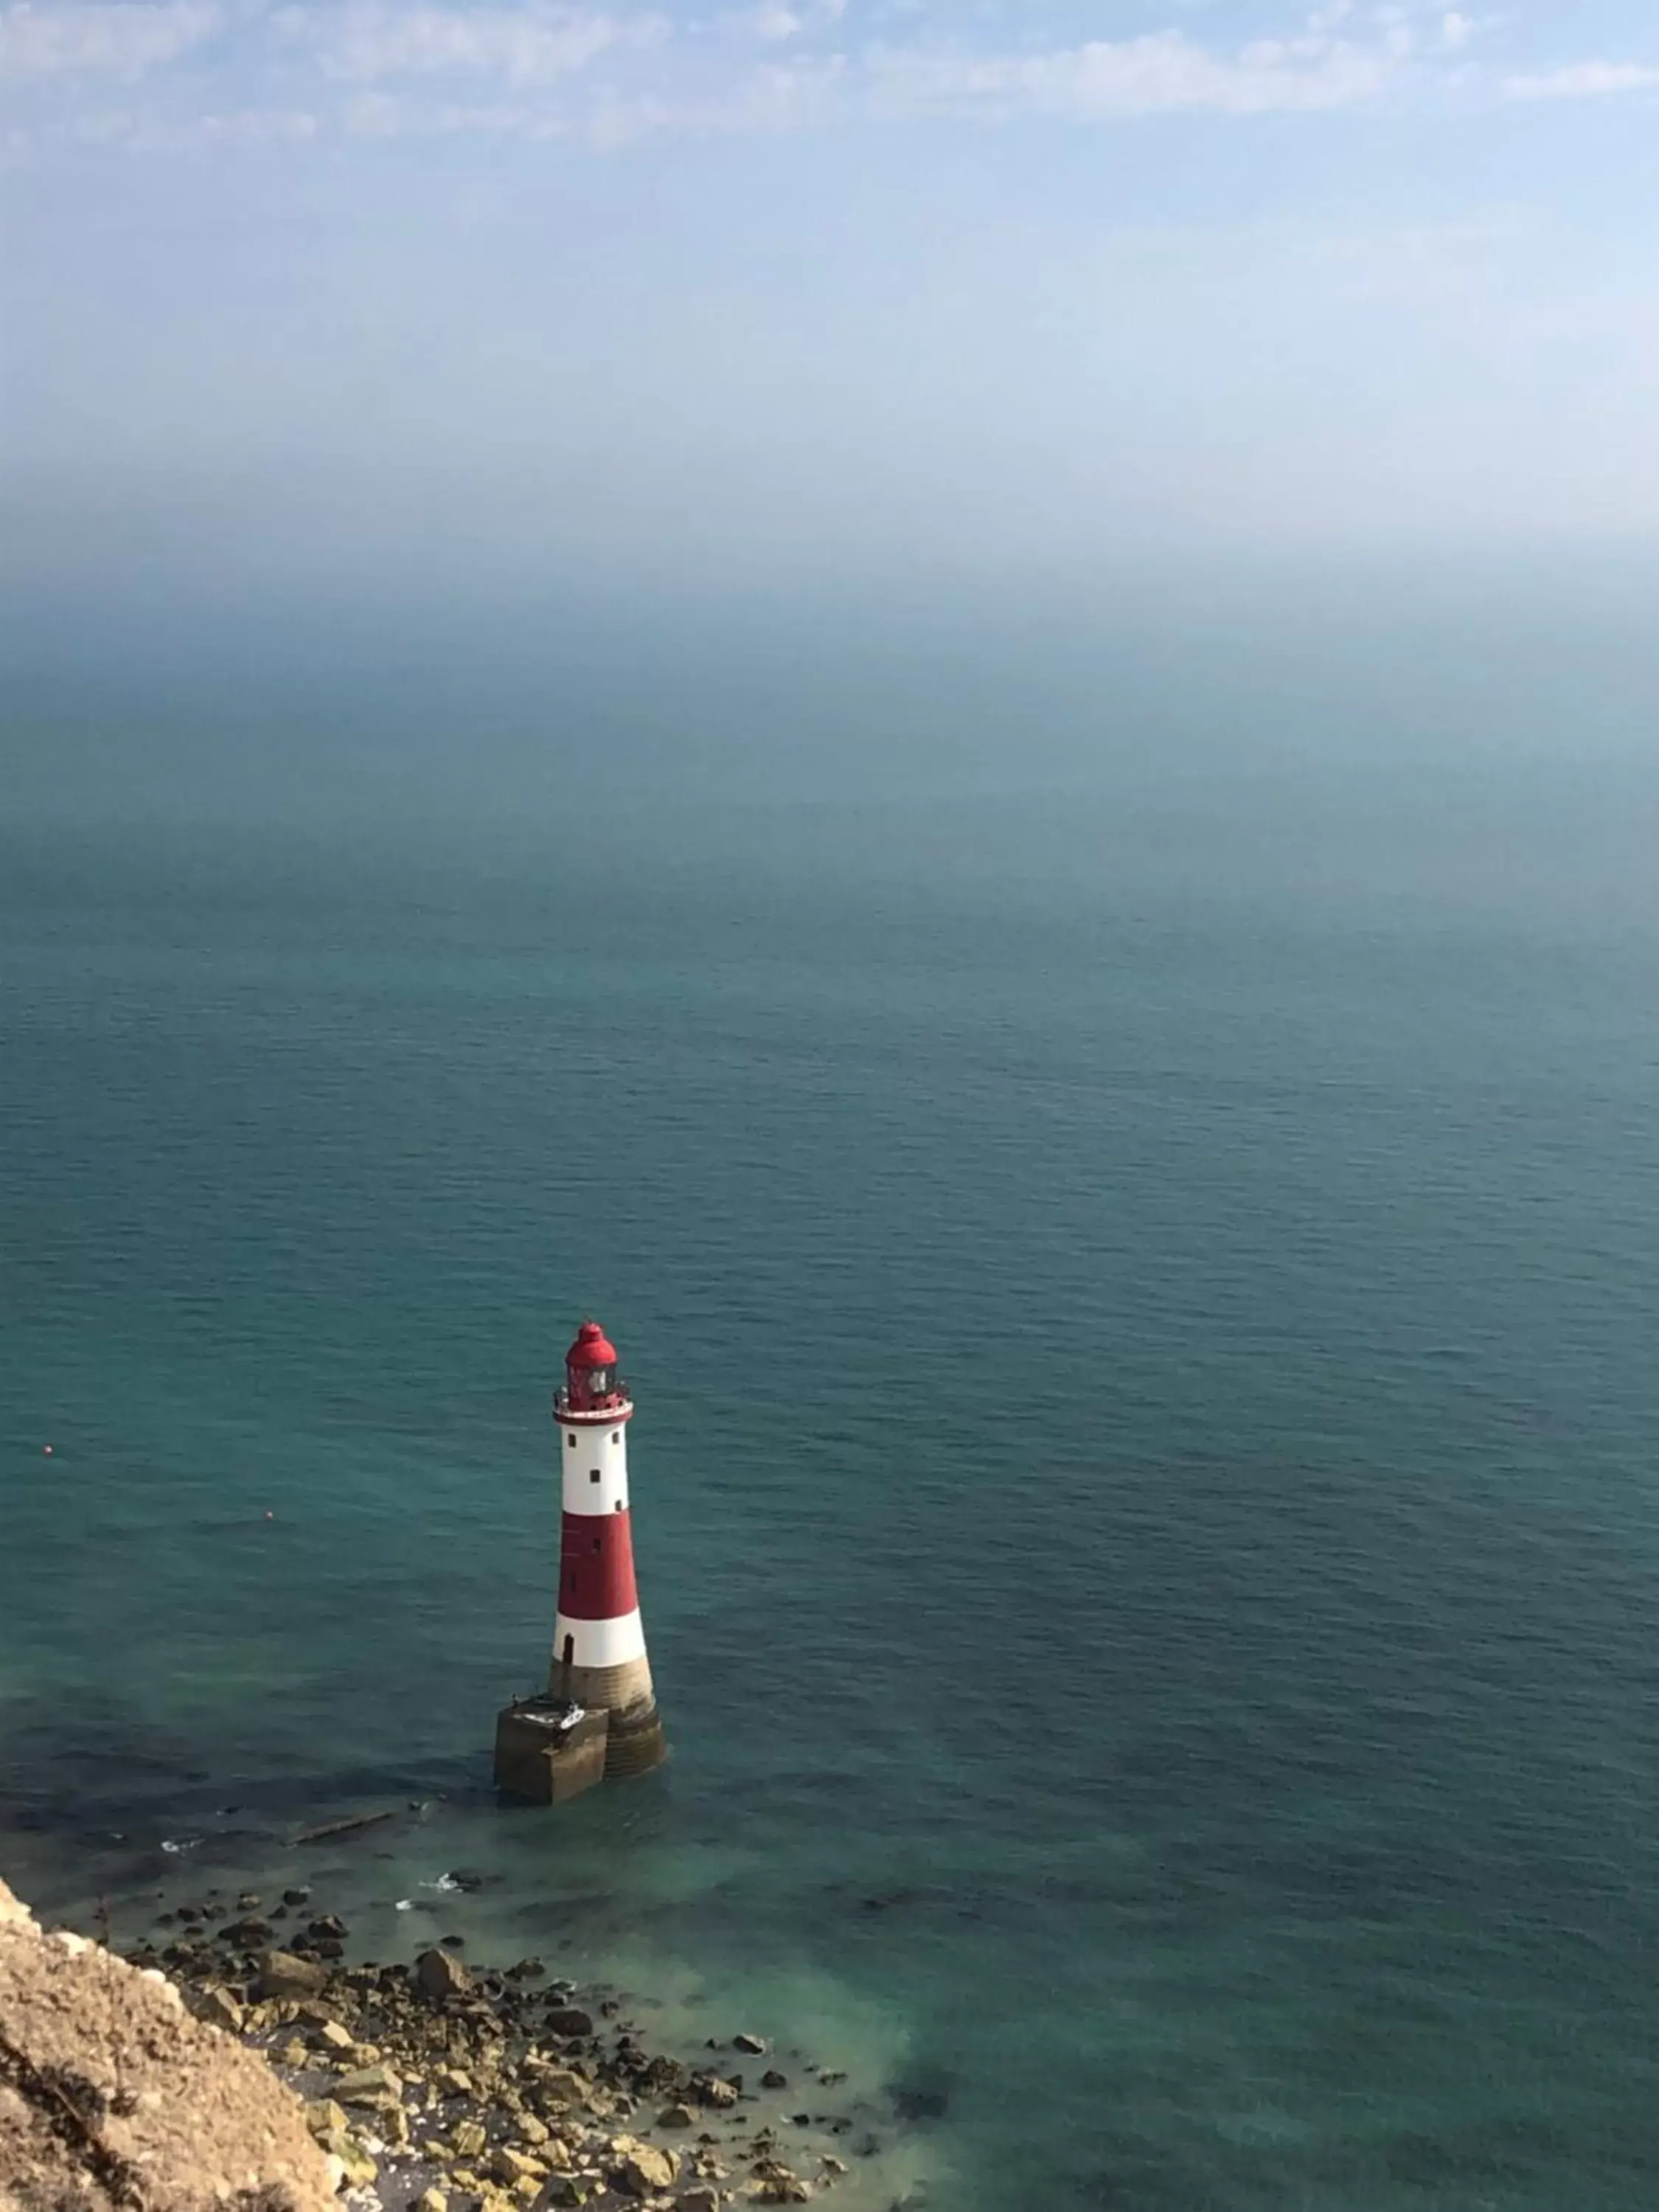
point(1142, 1307)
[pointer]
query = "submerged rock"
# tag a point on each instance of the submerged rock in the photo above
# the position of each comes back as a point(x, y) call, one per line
point(249, 1934)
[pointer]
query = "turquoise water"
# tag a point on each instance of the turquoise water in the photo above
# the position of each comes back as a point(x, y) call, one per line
point(1142, 1322)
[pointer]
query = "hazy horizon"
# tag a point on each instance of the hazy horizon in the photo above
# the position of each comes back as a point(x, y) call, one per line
point(421, 396)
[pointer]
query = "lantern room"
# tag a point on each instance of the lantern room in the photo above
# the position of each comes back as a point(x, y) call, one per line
point(590, 1368)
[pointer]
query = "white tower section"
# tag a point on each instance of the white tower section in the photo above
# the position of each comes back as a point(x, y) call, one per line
point(599, 1624)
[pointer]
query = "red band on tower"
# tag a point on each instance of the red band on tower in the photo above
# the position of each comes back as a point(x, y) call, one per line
point(596, 1566)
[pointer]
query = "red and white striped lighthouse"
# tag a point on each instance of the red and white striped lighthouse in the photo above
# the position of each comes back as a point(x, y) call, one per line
point(598, 1642)
point(599, 1718)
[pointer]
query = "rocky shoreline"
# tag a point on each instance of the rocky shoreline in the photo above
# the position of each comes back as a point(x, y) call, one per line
point(437, 2086)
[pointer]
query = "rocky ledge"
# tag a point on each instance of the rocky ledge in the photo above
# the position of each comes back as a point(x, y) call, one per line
point(113, 2098)
point(438, 2088)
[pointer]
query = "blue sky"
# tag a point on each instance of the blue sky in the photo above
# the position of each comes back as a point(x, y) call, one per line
point(406, 308)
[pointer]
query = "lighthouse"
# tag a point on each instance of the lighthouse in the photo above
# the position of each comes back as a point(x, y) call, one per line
point(598, 1717)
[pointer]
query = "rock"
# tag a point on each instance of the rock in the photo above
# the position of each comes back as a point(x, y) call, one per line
point(438, 1976)
point(282, 1975)
point(452, 2081)
point(752, 2043)
point(775, 2184)
point(640, 2169)
point(329, 1924)
point(324, 2117)
point(773, 2080)
point(294, 2056)
point(430, 2200)
point(248, 1934)
point(370, 2085)
point(567, 2020)
point(703, 2198)
point(248, 1902)
point(512, 2166)
point(676, 2116)
point(335, 2037)
point(532, 2130)
point(709, 2089)
point(831, 2165)
point(218, 2009)
point(527, 1970)
point(467, 2140)
point(562, 2083)
point(295, 1896)
point(361, 2170)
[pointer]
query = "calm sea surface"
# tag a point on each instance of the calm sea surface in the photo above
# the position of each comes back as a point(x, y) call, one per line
point(1143, 1319)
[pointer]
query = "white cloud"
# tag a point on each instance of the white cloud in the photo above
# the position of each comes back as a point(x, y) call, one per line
point(1584, 81)
point(258, 126)
point(366, 40)
point(609, 71)
point(68, 38)
point(1161, 73)
point(774, 23)
point(771, 98)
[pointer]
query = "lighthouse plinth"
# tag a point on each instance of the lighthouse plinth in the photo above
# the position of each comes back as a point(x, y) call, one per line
point(598, 1717)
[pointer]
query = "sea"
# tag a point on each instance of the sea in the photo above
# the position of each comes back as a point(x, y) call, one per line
point(1141, 1303)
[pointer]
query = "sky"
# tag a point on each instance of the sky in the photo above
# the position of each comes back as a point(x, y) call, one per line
point(345, 337)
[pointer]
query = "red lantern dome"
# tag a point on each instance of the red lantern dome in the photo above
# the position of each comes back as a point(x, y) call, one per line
point(590, 1368)
point(593, 1348)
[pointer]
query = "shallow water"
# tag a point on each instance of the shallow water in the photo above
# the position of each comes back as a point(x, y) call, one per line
point(1143, 1475)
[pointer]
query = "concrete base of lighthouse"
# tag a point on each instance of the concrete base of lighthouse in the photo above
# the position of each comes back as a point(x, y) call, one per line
point(538, 1759)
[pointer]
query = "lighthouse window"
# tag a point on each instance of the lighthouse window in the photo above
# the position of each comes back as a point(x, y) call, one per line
point(571, 1440)
point(597, 1543)
point(592, 1474)
point(618, 1506)
point(615, 1435)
